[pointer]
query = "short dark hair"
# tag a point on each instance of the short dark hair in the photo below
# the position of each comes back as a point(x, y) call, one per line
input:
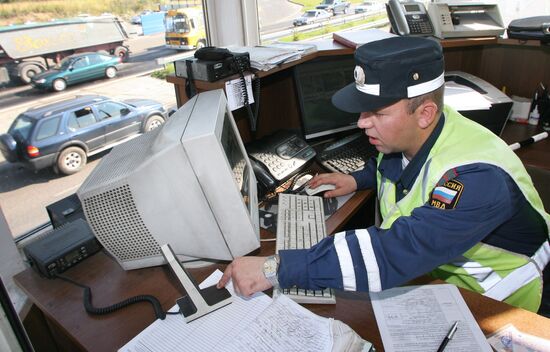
point(436, 96)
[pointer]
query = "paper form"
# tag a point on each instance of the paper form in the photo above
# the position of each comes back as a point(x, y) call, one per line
point(254, 324)
point(235, 95)
point(284, 326)
point(462, 98)
point(417, 318)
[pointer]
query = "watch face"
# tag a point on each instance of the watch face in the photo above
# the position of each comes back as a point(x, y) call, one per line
point(270, 267)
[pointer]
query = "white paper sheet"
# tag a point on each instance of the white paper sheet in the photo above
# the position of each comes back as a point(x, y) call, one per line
point(254, 324)
point(417, 318)
point(234, 92)
point(463, 98)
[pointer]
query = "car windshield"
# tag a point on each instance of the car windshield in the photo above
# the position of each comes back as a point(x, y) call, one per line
point(309, 14)
point(327, 2)
point(22, 125)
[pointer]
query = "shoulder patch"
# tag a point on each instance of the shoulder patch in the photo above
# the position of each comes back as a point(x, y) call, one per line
point(446, 195)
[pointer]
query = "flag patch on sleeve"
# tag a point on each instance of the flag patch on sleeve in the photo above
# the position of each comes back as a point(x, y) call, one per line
point(446, 196)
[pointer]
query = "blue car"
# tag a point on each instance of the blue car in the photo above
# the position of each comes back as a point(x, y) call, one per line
point(64, 134)
point(77, 68)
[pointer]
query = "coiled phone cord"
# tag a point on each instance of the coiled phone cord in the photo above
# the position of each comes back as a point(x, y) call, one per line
point(88, 305)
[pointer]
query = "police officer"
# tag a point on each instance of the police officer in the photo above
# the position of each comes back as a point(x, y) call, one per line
point(454, 200)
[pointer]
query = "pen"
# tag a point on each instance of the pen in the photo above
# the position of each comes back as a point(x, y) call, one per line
point(448, 337)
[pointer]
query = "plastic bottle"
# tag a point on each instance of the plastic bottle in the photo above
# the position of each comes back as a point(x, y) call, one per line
point(534, 117)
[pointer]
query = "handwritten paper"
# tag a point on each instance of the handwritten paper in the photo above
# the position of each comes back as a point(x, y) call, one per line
point(248, 324)
point(417, 318)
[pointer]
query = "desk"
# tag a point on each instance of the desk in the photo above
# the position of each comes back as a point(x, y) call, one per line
point(61, 302)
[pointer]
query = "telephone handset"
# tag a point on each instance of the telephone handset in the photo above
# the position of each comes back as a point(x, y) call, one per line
point(276, 157)
point(409, 18)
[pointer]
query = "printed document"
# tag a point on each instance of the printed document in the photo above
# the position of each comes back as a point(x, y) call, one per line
point(417, 318)
point(248, 324)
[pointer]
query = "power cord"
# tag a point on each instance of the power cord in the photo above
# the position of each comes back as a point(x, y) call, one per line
point(88, 305)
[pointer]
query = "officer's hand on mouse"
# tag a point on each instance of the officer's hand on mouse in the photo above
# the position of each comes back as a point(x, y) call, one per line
point(343, 184)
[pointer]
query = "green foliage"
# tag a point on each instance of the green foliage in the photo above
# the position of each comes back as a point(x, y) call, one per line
point(16, 11)
point(162, 73)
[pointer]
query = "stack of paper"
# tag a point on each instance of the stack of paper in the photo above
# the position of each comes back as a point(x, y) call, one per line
point(354, 39)
point(258, 323)
point(462, 98)
point(265, 58)
point(302, 48)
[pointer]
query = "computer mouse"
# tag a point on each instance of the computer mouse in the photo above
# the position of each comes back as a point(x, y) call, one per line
point(320, 189)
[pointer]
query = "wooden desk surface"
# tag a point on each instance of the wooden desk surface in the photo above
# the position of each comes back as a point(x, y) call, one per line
point(537, 154)
point(61, 302)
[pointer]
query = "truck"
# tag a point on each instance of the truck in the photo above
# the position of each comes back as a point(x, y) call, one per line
point(29, 49)
point(185, 28)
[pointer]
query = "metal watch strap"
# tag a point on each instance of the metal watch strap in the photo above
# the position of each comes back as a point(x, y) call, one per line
point(270, 268)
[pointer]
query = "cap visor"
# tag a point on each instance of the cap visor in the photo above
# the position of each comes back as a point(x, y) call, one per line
point(350, 99)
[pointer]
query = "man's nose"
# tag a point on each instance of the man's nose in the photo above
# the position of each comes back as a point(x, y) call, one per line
point(364, 120)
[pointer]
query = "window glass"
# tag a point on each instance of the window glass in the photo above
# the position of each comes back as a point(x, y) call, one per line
point(47, 128)
point(301, 21)
point(81, 118)
point(108, 109)
point(96, 59)
point(22, 125)
point(82, 62)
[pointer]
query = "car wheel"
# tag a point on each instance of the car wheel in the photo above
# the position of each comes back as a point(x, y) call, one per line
point(71, 160)
point(59, 85)
point(28, 72)
point(110, 72)
point(153, 122)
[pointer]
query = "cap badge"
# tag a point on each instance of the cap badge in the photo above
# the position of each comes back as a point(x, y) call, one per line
point(359, 75)
point(416, 76)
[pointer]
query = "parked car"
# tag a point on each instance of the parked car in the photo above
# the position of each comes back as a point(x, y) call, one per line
point(311, 16)
point(334, 6)
point(77, 68)
point(369, 6)
point(64, 134)
point(137, 18)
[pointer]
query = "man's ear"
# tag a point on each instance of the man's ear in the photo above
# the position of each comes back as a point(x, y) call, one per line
point(426, 114)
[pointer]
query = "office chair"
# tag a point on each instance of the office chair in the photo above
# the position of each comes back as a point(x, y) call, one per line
point(541, 180)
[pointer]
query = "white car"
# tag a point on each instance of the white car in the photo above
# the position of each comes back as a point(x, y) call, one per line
point(312, 16)
point(369, 6)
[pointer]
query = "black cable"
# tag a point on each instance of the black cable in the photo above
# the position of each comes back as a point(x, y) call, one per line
point(88, 305)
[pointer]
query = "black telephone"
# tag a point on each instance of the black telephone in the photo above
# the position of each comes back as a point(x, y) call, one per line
point(409, 18)
point(225, 63)
point(276, 157)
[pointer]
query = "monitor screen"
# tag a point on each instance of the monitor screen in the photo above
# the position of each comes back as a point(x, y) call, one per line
point(316, 82)
point(188, 184)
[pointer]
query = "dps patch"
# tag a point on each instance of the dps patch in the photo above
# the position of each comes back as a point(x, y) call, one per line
point(446, 196)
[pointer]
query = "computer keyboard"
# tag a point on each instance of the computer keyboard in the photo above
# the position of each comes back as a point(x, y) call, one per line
point(300, 225)
point(348, 154)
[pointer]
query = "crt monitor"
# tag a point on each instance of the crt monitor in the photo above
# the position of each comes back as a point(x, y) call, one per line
point(188, 184)
point(316, 82)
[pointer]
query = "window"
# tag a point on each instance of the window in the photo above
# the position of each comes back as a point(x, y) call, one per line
point(47, 128)
point(82, 62)
point(81, 118)
point(22, 125)
point(97, 59)
point(108, 110)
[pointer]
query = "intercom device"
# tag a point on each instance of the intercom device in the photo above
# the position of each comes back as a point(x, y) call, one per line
point(197, 302)
point(62, 248)
point(409, 18)
point(456, 19)
point(280, 156)
point(65, 210)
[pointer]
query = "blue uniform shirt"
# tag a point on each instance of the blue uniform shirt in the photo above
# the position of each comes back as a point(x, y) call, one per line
point(491, 209)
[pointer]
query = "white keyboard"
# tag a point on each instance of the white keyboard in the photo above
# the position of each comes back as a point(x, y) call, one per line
point(300, 225)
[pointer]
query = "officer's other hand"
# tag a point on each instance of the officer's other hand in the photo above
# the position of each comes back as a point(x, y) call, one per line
point(345, 184)
point(247, 275)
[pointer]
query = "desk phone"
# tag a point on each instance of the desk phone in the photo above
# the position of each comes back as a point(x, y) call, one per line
point(279, 155)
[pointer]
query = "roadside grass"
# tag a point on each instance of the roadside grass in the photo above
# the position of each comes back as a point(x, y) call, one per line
point(17, 12)
point(164, 72)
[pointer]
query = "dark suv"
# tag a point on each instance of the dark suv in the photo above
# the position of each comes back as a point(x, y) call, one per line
point(64, 134)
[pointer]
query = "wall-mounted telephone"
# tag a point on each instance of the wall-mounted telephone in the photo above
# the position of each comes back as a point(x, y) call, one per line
point(409, 18)
point(276, 157)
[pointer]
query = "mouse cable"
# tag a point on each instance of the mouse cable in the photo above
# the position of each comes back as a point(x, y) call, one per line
point(87, 298)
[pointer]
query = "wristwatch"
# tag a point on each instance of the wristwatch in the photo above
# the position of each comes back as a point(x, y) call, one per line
point(270, 267)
